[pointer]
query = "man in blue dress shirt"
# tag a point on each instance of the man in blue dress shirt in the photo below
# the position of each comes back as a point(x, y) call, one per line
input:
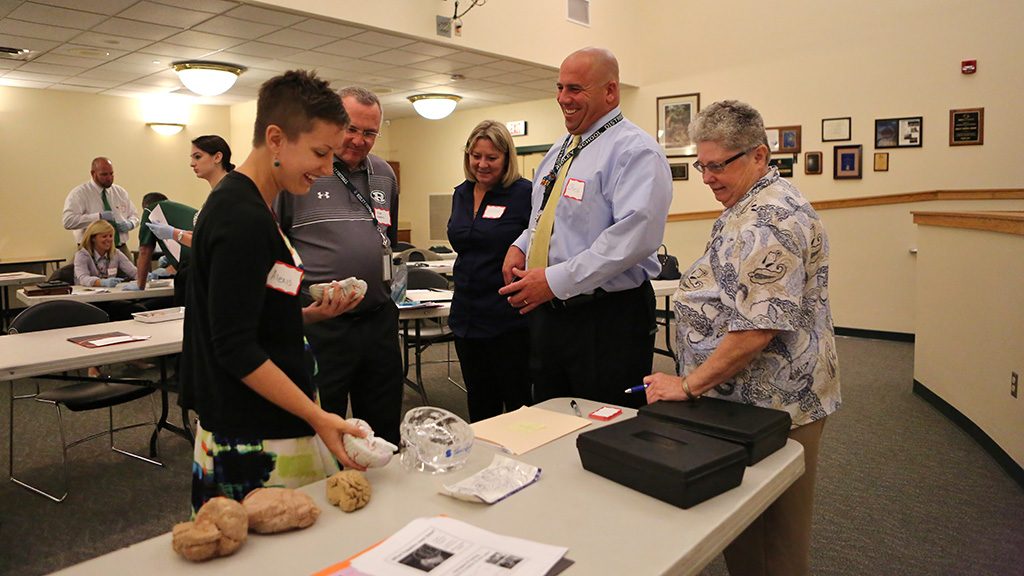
point(589, 293)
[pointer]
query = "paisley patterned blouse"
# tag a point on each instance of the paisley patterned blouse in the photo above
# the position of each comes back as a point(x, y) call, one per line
point(765, 268)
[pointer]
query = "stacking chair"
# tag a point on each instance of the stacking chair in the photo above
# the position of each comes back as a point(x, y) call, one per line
point(417, 255)
point(65, 273)
point(401, 246)
point(89, 394)
point(427, 332)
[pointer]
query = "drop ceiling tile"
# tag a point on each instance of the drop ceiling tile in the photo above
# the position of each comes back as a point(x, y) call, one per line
point(91, 82)
point(433, 50)
point(362, 67)
point(53, 15)
point(409, 73)
point(406, 84)
point(135, 29)
point(397, 57)
point(317, 59)
point(34, 44)
point(33, 30)
point(5, 81)
point(296, 39)
point(19, 74)
point(332, 29)
point(140, 68)
point(511, 77)
point(176, 52)
point(436, 79)
point(194, 39)
point(54, 69)
point(471, 58)
point(541, 73)
point(70, 88)
point(255, 77)
point(93, 52)
point(265, 50)
point(265, 16)
point(475, 85)
point(227, 26)
point(381, 39)
point(106, 41)
point(154, 13)
point(144, 58)
point(477, 72)
point(102, 73)
point(441, 65)
point(160, 80)
point(99, 6)
point(245, 60)
point(509, 66)
point(75, 61)
point(350, 49)
point(211, 6)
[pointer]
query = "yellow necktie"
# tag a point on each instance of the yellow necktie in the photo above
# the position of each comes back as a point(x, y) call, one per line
point(538, 256)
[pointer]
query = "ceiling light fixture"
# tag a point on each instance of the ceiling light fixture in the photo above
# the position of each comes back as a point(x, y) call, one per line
point(434, 106)
point(165, 128)
point(207, 78)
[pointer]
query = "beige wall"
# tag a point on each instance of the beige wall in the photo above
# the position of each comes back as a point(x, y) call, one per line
point(49, 140)
point(970, 316)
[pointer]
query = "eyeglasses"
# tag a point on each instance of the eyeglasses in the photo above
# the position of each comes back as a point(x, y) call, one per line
point(718, 167)
point(367, 134)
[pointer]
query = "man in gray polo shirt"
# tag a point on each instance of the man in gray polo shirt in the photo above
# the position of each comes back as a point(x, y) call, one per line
point(345, 227)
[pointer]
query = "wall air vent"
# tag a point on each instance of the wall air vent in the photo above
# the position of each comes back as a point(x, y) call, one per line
point(579, 11)
point(15, 53)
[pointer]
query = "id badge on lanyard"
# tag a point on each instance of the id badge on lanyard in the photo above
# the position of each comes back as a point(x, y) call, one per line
point(388, 262)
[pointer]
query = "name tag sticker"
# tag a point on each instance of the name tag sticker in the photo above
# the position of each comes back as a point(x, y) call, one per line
point(285, 278)
point(494, 212)
point(574, 189)
point(383, 216)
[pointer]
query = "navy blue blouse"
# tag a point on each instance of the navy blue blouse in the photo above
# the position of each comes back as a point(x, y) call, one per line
point(482, 240)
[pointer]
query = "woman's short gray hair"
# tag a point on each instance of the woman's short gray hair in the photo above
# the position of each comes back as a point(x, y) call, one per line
point(732, 124)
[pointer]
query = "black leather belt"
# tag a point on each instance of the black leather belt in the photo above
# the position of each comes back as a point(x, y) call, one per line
point(579, 300)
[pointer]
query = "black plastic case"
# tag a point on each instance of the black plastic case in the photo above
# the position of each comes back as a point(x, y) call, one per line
point(760, 430)
point(663, 460)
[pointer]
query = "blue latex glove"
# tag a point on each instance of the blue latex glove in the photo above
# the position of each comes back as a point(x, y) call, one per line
point(122, 225)
point(132, 286)
point(109, 282)
point(161, 231)
point(108, 216)
point(163, 262)
point(157, 274)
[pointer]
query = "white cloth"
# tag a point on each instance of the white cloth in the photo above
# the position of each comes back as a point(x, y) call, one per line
point(84, 204)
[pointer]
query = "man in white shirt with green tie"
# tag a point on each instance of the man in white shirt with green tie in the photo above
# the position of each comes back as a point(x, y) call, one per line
point(101, 199)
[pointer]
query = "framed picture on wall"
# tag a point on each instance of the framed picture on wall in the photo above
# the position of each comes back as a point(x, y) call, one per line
point(835, 129)
point(847, 162)
point(881, 161)
point(967, 127)
point(680, 170)
point(785, 166)
point(899, 132)
point(787, 139)
point(812, 162)
point(674, 116)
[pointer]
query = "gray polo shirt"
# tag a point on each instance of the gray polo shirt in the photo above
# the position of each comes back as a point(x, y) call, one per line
point(334, 232)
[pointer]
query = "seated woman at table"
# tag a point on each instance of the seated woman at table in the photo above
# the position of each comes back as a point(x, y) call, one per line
point(99, 264)
point(754, 323)
point(489, 210)
point(243, 367)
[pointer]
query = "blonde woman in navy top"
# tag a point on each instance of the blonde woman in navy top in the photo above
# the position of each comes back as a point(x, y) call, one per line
point(489, 210)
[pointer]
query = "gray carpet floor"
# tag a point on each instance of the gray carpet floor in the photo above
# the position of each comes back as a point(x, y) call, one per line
point(901, 490)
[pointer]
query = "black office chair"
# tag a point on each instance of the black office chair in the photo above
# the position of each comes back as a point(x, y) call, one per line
point(427, 332)
point(80, 396)
point(417, 255)
point(401, 246)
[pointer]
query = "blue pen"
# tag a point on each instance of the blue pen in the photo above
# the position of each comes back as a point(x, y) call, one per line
point(636, 389)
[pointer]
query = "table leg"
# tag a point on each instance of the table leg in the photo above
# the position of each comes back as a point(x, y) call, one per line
point(185, 431)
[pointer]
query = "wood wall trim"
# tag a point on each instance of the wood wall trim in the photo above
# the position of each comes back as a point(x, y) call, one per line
point(1004, 222)
point(929, 196)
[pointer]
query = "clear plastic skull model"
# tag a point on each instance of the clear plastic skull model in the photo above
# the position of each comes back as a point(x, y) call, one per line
point(434, 440)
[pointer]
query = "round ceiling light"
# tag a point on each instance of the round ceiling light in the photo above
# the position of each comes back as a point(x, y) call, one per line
point(434, 106)
point(207, 78)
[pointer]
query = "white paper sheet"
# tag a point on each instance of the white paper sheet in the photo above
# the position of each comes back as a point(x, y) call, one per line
point(444, 546)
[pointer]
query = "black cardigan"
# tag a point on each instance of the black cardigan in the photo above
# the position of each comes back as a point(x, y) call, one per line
point(234, 322)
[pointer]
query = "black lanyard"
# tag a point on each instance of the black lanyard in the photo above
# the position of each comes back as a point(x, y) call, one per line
point(549, 181)
point(362, 200)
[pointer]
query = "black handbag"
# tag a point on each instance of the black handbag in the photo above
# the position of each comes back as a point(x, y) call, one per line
point(669, 265)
